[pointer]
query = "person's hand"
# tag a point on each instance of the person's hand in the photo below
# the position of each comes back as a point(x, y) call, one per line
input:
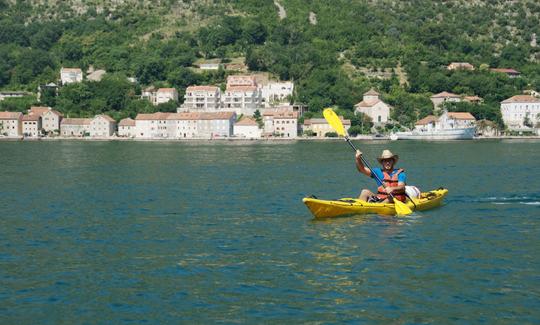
point(358, 154)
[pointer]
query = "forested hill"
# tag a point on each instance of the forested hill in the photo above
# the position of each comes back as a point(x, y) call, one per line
point(333, 50)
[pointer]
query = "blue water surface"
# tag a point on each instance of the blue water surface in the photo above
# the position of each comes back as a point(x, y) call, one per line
point(205, 232)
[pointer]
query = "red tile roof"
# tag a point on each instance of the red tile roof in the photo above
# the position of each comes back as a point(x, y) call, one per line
point(241, 88)
point(107, 117)
point(127, 122)
point(505, 70)
point(368, 103)
point(76, 121)
point(201, 88)
point(323, 121)
point(426, 120)
point(152, 117)
point(445, 94)
point(372, 92)
point(247, 121)
point(521, 99)
point(31, 117)
point(166, 90)
point(461, 116)
point(10, 115)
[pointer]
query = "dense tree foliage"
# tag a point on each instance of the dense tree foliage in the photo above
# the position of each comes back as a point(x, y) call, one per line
point(332, 62)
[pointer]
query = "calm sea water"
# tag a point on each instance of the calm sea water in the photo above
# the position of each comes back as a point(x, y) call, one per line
point(140, 232)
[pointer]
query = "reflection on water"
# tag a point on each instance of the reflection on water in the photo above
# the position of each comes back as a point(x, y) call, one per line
point(206, 232)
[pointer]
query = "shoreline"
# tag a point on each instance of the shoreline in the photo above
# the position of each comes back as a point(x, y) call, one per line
point(121, 139)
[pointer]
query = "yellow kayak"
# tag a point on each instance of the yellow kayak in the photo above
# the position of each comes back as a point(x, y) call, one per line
point(351, 206)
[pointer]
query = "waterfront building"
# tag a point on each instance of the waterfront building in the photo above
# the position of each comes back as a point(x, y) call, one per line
point(460, 66)
point(426, 124)
point(12, 94)
point(31, 125)
point(277, 93)
point(11, 124)
point(280, 123)
point(521, 112)
point(216, 125)
point(50, 121)
point(102, 126)
point(183, 125)
point(320, 127)
point(126, 128)
point(201, 99)
point(75, 127)
point(372, 106)
point(456, 120)
point(151, 126)
point(164, 95)
point(442, 97)
point(70, 75)
point(247, 127)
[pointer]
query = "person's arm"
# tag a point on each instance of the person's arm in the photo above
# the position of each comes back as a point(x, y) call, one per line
point(360, 165)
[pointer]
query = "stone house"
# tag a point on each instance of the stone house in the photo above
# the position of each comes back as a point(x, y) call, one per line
point(247, 127)
point(519, 109)
point(11, 124)
point(372, 106)
point(320, 127)
point(102, 126)
point(126, 128)
point(70, 75)
point(31, 125)
point(75, 127)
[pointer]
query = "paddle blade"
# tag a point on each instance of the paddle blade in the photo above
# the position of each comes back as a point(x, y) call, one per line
point(334, 121)
point(401, 208)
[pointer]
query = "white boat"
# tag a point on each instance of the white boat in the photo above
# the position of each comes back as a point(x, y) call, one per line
point(437, 134)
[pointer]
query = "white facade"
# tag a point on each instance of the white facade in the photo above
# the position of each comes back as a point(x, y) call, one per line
point(517, 109)
point(31, 125)
point(70, 75)
point(216, 125)
point(201, 99)
point(102, 126)
point(75, 127)
point(183, 125)
point(455, 120)
point(50, 121)
point(126, 128)
point(441, 98)
point(242, 99)
point(164, 95)
point(247, 127)
point(11, 124)
point(148, 126)
point(281, 124)
point(277, 93)
point(12, 94)
point(372, 106)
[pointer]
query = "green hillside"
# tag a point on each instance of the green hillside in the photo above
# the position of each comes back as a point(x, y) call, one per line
point(400, 47)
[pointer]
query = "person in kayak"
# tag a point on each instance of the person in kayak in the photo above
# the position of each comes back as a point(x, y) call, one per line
point(394, 179)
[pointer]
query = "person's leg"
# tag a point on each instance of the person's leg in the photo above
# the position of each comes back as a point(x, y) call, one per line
point(365, 195)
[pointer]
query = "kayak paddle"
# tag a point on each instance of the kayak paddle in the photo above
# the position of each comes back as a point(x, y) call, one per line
point(401, 208)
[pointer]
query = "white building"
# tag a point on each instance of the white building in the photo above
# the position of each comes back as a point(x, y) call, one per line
point(11, 124)
point(247, 127)
point(12, 94)
point(126, 128)
point(277, 93)
point(216, 125)
point(183, 125)
point(31, 125)
point(460, 66)
point(517, 109)
point(320, 127)
point(75, 127)
point(441, 98)
point(149, 94)
point(372, 106)
point(151, 126)
point(50, 121)
point(102, 126)
point(242, 99)
point(426, 124)
point(70, 75)
point(201, 99)
point(280, 123)
point(164, 95)
point(242, 95)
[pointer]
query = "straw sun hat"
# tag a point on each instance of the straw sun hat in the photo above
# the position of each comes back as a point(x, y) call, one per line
point(387, 154)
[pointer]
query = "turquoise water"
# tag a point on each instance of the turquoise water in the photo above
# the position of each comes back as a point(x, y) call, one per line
point(140, 232)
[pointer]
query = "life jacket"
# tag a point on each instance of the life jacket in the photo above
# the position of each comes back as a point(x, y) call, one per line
point(390, 181)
